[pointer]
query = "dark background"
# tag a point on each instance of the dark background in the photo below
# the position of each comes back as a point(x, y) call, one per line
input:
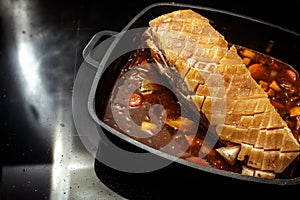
point(35, 92)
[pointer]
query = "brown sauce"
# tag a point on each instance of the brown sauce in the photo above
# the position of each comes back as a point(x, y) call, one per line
point(139, 116)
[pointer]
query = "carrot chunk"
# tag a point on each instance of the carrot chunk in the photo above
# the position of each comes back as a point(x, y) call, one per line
point(257, 71)
point(291, 75)
point(135, 100)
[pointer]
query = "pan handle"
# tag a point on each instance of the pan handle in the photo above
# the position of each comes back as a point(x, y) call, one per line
point(105, 38)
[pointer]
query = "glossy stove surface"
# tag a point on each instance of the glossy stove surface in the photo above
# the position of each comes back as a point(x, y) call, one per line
point(41, 44)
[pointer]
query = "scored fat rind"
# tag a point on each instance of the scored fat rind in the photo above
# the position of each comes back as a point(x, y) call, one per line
point(223, 90)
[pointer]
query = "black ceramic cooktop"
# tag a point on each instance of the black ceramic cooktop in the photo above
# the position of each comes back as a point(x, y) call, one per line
point(41, 44)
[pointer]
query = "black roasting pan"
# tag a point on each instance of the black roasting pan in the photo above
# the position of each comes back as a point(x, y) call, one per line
point(142, 163)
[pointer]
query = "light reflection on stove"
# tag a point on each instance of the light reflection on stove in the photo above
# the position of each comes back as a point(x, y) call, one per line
point(72, 173)
point(29, 60)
